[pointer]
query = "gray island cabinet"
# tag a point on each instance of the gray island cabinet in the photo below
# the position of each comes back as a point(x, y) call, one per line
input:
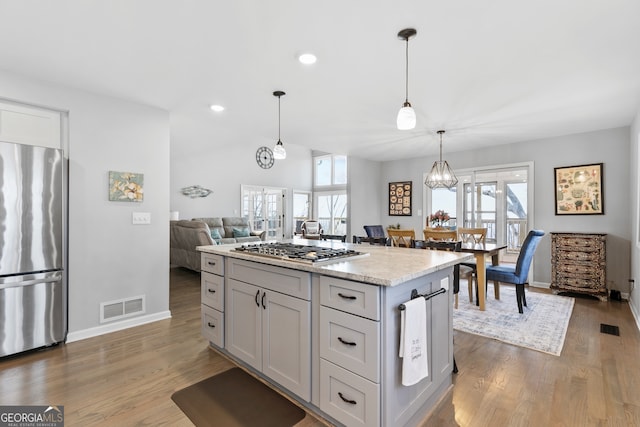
point(328, 335)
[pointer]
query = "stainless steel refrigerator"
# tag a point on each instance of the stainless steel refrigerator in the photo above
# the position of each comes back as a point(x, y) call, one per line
point(33, 294)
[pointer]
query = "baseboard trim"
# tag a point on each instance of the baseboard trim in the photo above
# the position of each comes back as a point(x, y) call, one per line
point(541, 285)
point(117, 326)
point(635, 314)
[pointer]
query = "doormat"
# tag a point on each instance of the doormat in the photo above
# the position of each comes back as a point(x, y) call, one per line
point(541, 327)
point(234, 398)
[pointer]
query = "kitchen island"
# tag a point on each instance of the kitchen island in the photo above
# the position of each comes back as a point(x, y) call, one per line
point(328, 334)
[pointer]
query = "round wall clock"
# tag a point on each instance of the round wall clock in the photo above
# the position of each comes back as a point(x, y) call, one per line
point(264, 157)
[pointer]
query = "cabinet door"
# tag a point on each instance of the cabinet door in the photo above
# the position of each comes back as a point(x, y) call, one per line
point(243, 320)
point(286, 330)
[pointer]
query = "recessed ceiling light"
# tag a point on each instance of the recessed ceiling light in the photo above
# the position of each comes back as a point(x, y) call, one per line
point(217, 108)
point(307, 58)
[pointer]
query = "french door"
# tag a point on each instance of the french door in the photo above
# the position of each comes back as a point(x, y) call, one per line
point(264, 208)
point(499, 198)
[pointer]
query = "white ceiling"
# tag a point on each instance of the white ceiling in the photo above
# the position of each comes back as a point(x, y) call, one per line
point(488, 72)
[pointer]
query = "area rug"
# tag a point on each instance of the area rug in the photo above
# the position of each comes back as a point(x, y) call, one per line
point(234, 398)
point(541, 327)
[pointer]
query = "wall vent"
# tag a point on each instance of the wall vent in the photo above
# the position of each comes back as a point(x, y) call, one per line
point(120, 309)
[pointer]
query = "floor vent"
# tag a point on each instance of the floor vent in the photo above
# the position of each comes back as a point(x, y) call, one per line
point(609, 329)
point(120, 309)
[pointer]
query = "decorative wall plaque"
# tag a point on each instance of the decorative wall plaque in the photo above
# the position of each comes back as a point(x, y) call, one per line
point(400, 198)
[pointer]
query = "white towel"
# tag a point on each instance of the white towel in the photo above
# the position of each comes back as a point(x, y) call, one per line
point(413, 341)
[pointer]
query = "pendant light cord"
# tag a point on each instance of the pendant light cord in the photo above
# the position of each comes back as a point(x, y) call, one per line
point(406, 80)
point(278, 118)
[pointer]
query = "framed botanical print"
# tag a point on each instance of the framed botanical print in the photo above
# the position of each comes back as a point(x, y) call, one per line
point(400, 198)
point(579, 190)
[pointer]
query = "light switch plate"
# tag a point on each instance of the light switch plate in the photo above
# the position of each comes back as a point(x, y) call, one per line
point(141, 218)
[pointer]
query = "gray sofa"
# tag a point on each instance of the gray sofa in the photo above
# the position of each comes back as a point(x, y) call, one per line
point(185, 235)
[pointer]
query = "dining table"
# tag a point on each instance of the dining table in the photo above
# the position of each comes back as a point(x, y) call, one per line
point(481, 251)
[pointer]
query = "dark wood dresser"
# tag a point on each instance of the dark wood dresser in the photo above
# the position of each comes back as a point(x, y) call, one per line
point(578, 263)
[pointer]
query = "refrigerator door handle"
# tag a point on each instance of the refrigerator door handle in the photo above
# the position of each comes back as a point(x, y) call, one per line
point(55, 277)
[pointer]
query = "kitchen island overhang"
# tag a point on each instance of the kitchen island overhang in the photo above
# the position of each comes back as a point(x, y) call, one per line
point(342, 322)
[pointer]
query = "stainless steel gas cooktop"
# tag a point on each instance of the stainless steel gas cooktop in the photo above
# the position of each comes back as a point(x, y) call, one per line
point(308, 254)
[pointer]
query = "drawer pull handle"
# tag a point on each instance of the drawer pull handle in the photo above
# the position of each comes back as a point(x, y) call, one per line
point(341, 295)
point(211, 325)
point(213, 291)
point(263, 295)
point(346, 342)
point(257, 293)
point(211, 263)
point(353, 402)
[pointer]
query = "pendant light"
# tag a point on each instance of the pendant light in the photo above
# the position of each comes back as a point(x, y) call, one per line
point(441, 175)
point(406, 115)
point(279, 152)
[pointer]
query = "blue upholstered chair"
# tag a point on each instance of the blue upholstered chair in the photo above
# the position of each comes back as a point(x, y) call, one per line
point(374, 231)
point(518, 274)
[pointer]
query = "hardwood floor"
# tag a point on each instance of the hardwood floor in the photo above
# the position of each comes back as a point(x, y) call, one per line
point(126, 378)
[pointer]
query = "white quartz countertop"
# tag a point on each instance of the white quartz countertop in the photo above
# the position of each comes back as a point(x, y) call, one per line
point(384, 265)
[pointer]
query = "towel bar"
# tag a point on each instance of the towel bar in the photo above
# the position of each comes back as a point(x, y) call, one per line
point(415, 294)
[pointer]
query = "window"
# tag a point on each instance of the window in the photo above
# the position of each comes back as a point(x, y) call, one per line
point(332, 212)
point(445, 199)
point(330, 205)
point(330, 170)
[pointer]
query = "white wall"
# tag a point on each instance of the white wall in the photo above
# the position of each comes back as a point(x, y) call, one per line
point(108, 257)
point(364, 195)
point(610, 147)
point(224, 168)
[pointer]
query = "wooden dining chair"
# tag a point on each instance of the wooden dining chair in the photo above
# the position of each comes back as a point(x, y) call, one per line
point(440, 234)
point(401, 238)
point(472, 235)
point(475, 235)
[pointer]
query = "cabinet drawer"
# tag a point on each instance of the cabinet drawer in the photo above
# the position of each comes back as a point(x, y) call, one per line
point(212, 263)
point(212, 290)
point(578, 270)
point(568, 256)
point(350, 399)
point(578, 282)
point(284, 280)
point(351, 342)
point(579, 242)
point(212, 325)
point(353, 297)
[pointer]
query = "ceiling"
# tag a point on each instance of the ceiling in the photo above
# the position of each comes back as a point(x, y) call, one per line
point(489, 73)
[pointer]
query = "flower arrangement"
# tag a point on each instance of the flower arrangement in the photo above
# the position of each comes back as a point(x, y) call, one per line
point(439, 218)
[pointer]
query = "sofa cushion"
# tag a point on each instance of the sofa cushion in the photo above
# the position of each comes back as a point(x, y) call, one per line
point(230, 223)
point(215, 234)
point(240, 232)
point(226, 240)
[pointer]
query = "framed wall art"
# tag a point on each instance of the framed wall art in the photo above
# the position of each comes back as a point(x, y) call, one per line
point(400, 198)
point(126, 186)
point(579, 190)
